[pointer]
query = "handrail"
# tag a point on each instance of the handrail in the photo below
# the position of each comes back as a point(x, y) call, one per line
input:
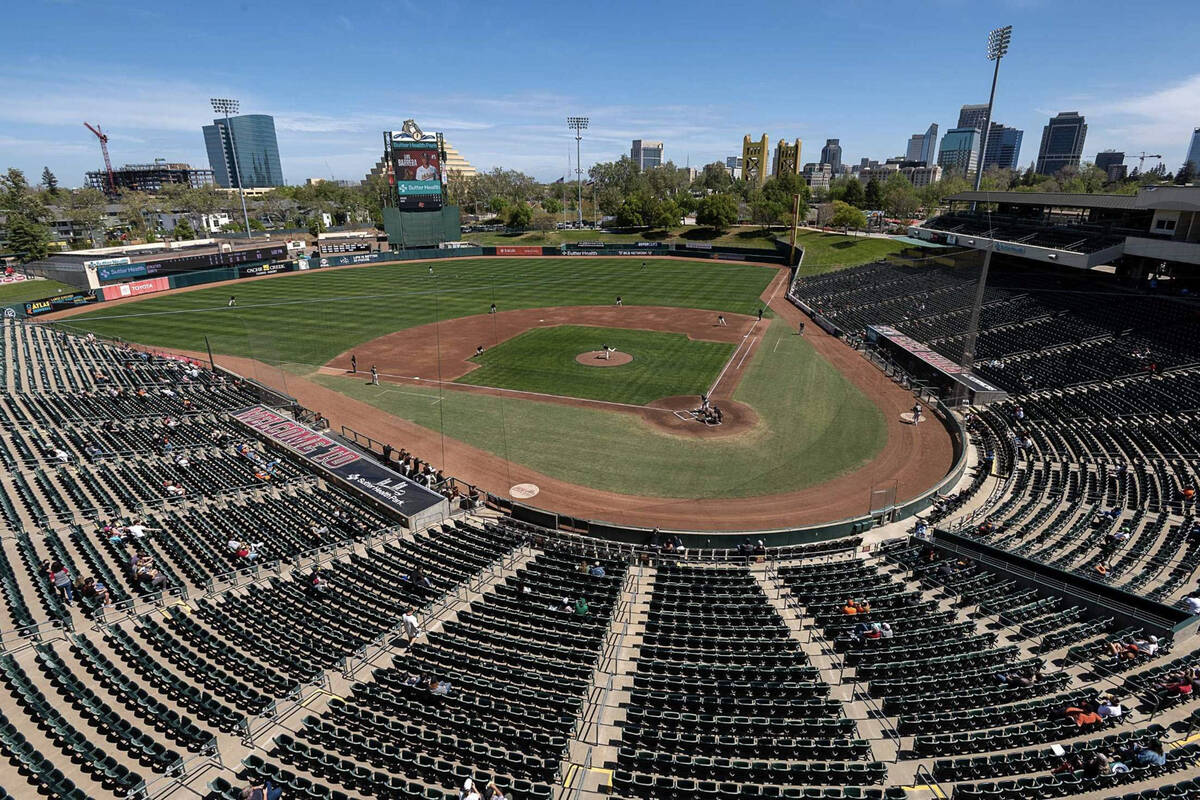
point(923, 774)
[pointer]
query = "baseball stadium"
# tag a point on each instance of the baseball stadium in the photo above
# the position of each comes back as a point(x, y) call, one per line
point(452, 519)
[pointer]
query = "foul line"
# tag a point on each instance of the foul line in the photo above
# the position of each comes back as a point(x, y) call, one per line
point(746, 352)
point(712, 389)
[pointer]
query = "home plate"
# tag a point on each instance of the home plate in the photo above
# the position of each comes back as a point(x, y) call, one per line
point(524, 491)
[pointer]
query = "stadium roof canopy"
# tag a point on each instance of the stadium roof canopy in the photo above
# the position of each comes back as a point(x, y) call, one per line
point(1055, 199)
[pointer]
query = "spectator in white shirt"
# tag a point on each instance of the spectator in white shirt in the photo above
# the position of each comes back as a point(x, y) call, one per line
point(1109, 708)
point(1192, 604)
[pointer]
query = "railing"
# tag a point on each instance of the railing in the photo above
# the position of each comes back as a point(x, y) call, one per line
point(926, 777)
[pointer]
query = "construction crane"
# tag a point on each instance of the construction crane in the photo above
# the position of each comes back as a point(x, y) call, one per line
point(103, 137)
point(1142, 159)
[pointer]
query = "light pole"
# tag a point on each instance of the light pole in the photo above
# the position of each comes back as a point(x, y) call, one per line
point(997, 48)
point(578, 124)
point(226, 106)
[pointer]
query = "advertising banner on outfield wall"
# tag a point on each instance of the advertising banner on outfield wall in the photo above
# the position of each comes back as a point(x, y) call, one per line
point(258, 270)
point(136, 288)
point(518, 251)
point(57, 303)
point(348, 465)
point(119, 271)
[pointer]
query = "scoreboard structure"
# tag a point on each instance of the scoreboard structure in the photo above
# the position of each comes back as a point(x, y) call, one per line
point(415, 167)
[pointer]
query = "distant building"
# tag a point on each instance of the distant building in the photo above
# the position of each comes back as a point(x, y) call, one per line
point(150, 178)
point(922, 175)
point(334, 181)
point(787, 158)
point(1003, 147)
point(817, 176)
point(1062, 142)
point(1113, 164)
point(973, 116)
point(922, 147)
point(1193, 153)
point(754, 159)
point(646, 154)
point(252, 138)
point(733, 164)
point(831, 154)
point(959, 152)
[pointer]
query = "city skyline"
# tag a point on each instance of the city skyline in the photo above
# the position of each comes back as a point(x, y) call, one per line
point(329, 110)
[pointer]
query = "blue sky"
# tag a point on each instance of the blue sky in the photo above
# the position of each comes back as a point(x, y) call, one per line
point(498, 78)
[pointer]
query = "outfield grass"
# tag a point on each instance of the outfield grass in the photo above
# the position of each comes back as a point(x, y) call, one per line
point(825, 252)
point(543, 360)
point(813, 426)
point(11, 293)
point(308, 318)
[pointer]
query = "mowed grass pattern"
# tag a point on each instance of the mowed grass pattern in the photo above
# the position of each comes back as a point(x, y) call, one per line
point(544, 360)
point(308, 318)
point(813, 426)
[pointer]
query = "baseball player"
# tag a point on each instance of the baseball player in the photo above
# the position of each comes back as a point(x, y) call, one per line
point(721, 320)
point(374, 376)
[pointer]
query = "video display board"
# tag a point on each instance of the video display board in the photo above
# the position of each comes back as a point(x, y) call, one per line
point(416, 168)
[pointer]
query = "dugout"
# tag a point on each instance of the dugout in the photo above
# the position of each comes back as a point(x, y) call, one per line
point(412, 229)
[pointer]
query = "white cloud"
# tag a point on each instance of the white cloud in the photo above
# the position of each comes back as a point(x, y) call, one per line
point(1159, 121)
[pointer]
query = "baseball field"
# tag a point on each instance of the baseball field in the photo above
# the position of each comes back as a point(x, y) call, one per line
point(522, 394)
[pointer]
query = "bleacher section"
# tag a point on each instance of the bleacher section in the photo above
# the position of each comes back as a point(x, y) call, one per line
point(555, 665)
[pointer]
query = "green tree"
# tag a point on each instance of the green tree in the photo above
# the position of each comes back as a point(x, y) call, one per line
point(873, 194)
point(183, 230)
point(29, 239)
point(316, 225)
point(663, 213)
point(1185, 174)
point(686, 203)
point(847, 217)
point(629, 213)
point(552, 205)
point(715, 178)
point(717, 211)
point(781, 190)
point(542, 221)
point(849, 190)
point(49, 181)
point(900, 199)
point(518, 215)
point(85, 208)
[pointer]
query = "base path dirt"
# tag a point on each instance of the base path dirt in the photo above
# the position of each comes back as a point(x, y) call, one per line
point(443, 350)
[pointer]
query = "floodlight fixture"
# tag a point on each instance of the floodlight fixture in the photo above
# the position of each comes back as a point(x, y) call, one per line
point(579, 125)
point(998, 43)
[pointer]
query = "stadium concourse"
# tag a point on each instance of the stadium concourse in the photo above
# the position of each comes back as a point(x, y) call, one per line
point(188, 610)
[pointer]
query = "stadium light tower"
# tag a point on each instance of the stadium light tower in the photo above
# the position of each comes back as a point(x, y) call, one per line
point(997, 48)
point(226, 106)
point(579, 125)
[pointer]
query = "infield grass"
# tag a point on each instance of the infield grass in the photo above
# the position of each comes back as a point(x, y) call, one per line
point(307, 318)
point(813, 426)
point(543, 360)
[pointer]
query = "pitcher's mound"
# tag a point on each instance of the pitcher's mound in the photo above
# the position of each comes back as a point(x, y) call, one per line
point(595, 358)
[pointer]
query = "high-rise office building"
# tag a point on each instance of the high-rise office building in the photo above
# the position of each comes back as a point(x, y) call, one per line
point(1193, 153)
point(1003, 148)
point(973, 116)
point(960, 151)
point(922, 147)
point(831, 154)
point(1113, 164)
point(254, 142)
point(150, 178)
point(1062, 142)
point(646, 154)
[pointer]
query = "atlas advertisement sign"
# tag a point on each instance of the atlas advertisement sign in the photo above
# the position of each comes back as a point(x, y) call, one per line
point(416, 167)
point(348, 465)
point(58, 303)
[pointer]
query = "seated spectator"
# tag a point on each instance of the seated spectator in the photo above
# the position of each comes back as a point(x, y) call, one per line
point(566, 605)
point(96, 589)
point(1098, 763)
point(886, 629)
point(494, 793)
point(1082, 717)
point(469, 792)
point(1071, 762)
point(420, 578)
point(581, 607)
point(1179, 683)
point(263, 791)
point(596, 571)
point(1109, 708)
point(1192, 604)
point(317, 582)
point(1150, 755)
